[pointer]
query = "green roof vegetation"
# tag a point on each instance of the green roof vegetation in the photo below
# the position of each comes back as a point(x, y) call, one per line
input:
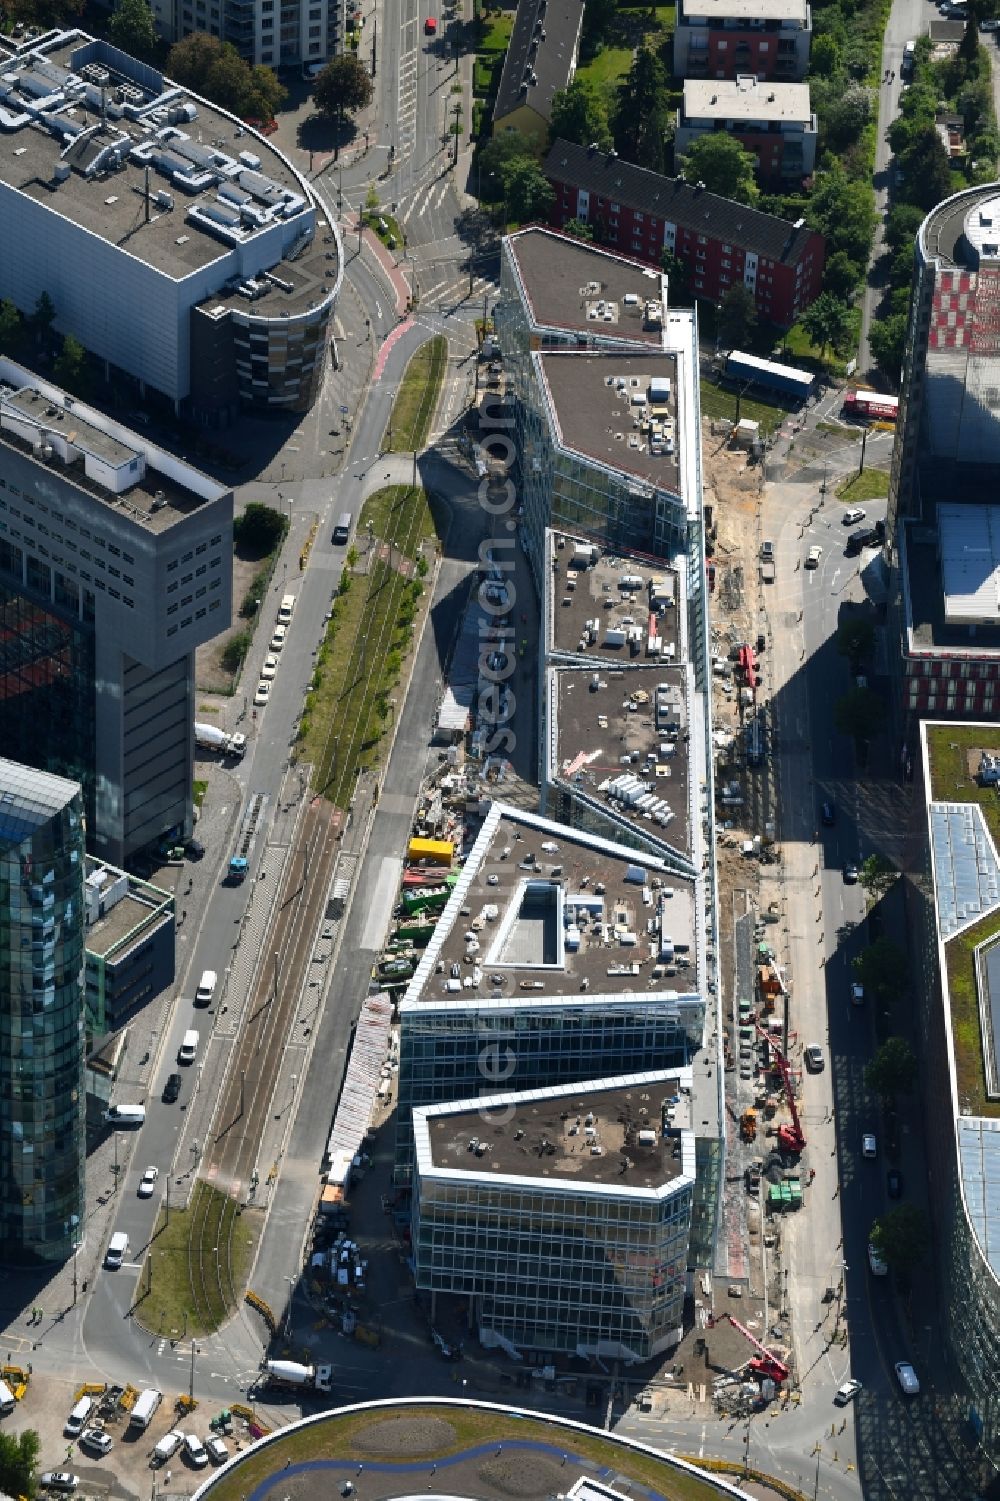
point(953, 754)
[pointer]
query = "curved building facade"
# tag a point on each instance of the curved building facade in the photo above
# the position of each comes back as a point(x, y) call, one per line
point(42, 924)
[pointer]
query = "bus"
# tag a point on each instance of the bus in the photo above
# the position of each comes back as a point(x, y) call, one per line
point(871, 406)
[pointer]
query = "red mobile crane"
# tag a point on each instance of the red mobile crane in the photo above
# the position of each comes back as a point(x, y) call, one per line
point(791, 1138)
point(765, 1365)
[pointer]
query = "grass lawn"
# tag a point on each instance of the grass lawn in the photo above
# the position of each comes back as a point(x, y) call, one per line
point(717, 402)
point(416, 399)
point(497, 33)
point(607, 70)
point(948, 750)
point(336, 1439)
point(796, 344)
point(870, 484)
point(849, 434)
point(198, 792)
point(192, 1289)
point(350, 705)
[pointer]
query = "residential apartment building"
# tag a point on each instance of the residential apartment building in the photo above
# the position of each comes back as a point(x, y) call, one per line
point(953, 905)
point(42, 1097)
point(115, 565)
point(773, 120)
point(176, 244)
point(541, 60)
point(278, 35)
point(769, 39)
point(721, 244)
point(563, 1215)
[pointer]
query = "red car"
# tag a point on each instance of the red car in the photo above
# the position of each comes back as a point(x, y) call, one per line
point(430, 25)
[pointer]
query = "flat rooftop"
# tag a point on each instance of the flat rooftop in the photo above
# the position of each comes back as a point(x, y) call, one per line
point(591, 583)
point(602, 1133)
point(574, 287)
point(928, 628)
point(620, 737)
point(715, 12)
point(744, 98)
point(943, 235)
point(605, 408)
point(84, 126)
point(970, 563)
point(133, 913)
point(543, 910)
point(148, 486)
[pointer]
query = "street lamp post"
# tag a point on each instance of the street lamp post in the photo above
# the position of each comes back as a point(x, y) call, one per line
point(194, 1351)
point(288, 1307)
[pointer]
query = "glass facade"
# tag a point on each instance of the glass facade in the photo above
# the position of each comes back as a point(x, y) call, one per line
point(46, 682)
point(42, 1098)
point(450, 1052)
point(557, 1268)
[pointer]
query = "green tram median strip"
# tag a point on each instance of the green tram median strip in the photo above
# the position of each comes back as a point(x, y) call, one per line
point(417, 397)
point(351, 704)
point(196, 1265)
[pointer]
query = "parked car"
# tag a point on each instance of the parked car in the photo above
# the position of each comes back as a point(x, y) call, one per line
point(262, 695)
point(270, 667)
point(172, 1089)
point(850, 874)
point(828, 815)
point(195, 1451)
point(59, 1480)
point(148, 1182)
point(97, 1441)
point(894, 1183)
point(813, 556)
point(217, 1451)
point(853, 514)
point(194, 849)
point(857, 994)
point(278, 639)
point(869, 1146)
point(814, 1059)
point(907, 1378)
point(878, 1266)
point(847, 1392)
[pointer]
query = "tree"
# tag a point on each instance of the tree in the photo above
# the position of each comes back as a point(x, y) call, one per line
point(18, 1462)
point(45, 313)
point(723, 165)
point(881, 969)
point(968, 47)
point(737, 317)
point(131, 28)
point(45, 14)
point(579, 229)
point(824, 58)
point(191, 61)
point(842, 210)
point(902, 225)
point(641, 120)
point(578, 114)
point(926, 168)
point(892, 1070)
point(343, 87)
point(259, 530)
point(847, 114)
point(840, 275)
point(676, 272)
point(860, 714)
point(70, 368)
point(902, 1238)
point(887, 338)
point(266, 93)
point(598, 19)
point(877, 875)
point(11, 328)
point(826, 321)
point(527, 191)
point(214, 68)
point(855, 639)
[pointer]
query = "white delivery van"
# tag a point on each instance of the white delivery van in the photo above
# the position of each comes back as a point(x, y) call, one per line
point(189, 1047)
point(117, 1250)
point(206, 988)
point(7, 1402)
point(125, 1115)
point(285, 609)
point(166, 1448)
point(78, 1418)
point(144, 1411)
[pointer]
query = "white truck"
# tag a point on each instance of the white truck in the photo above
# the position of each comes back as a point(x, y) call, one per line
point(291, 1373)
point(144, 1409)
point(210, 737)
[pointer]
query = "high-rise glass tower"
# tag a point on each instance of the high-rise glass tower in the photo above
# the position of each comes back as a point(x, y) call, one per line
point(42, 1091)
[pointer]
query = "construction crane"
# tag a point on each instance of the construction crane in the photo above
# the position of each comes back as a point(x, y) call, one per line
point(791, 1139)
point(765, 1365)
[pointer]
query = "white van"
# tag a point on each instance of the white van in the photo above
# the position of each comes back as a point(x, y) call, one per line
point(125, 1115)
point(144, 1411)
point(206, 988)
point(7, 1401)
point(117, 1250)
point(189, 1047)
point(79, 1417)
point(285, 610)
point(166, 1448)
